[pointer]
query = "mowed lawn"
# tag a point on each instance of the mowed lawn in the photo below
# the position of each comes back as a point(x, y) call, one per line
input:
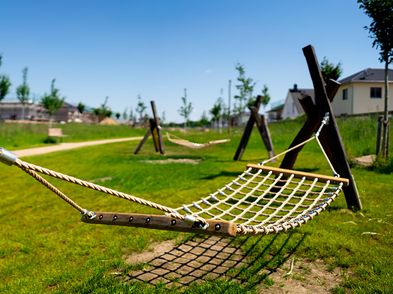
point(45, 248)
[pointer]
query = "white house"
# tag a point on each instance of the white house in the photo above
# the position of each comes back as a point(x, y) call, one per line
point(13, 110)
point(292, 107)
point(363, 92)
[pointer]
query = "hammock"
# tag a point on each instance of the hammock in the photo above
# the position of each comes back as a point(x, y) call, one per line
point(262, 200)
point(185, 143)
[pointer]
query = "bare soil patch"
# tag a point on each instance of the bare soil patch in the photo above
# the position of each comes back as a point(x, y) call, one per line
point(206, 259)
point(152, 252)
point(306, 277)
point(366, 160)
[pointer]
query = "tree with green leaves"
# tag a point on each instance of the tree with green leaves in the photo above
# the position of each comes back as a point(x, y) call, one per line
point(140, 108)
point(329, 70)
point(125, 114)
point(246, 88)
point(5, 83)
point(217, 111)
point(186, 108)
point(204, 119)
point(381, 31)
point(81, 107)
point(52, 102)
point(131, 116)
point(23, 91)
point(163, 118)
point(103, 111)
point(265, 96)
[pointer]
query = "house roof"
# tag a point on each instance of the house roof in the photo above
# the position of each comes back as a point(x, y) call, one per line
point(368, 75)
point(276, 108)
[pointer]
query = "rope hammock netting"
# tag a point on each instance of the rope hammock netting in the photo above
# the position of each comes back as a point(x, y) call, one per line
point(261, 200)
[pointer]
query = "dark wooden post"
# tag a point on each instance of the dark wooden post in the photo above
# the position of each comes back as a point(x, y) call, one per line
point(310, 126)
point(158, 142)
point(263, 129)
point(144, 139)
point(255, 118)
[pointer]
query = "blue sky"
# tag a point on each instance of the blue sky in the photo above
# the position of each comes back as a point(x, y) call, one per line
point(157, 48)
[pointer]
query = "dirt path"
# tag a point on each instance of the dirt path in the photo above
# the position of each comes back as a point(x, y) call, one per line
point(67, 146)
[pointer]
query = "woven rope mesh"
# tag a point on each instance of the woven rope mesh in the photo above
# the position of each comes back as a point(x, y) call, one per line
point(259, 201)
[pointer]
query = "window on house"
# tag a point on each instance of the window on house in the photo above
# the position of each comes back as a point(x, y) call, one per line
point(375, 92)
point(345, 94)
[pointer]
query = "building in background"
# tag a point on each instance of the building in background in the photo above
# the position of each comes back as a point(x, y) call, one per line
point(363, 93)
point(292, 107)
point(14, 110)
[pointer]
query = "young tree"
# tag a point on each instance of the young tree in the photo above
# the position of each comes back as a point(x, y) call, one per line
point(265, 96)
point(329, 70)
point(185, 109)
point(381, 30)
point(163, 118)
point(140, 108)
point(117, 115)
point(131, 116)
point(245, 87)
point(81, 107)
point(217, 111)
point(103, 111)
point(125, 115)
point(23, 92)
point(52, 102)
point(204, 119)
point(5, 83)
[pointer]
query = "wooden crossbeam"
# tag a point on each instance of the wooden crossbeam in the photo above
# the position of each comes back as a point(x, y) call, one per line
point(299, 174)
point(160, 222)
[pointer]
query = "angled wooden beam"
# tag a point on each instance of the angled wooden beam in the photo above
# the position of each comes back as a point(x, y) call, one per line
point(142, 142)
point(259, 120)
point(157, 130)
point(311, 125)
point(261, 124)
point(154, 130)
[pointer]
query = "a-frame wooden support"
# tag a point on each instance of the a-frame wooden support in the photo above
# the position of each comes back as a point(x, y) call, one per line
point(260, 121)
point(154, 130)
point(330, 137)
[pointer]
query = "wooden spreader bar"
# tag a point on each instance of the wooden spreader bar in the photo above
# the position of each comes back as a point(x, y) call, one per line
point(300, 174)
point(161, 222)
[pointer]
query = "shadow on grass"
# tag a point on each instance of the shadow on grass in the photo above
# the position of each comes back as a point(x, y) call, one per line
point(233, 174)
point(308, 170)
point(246, 261)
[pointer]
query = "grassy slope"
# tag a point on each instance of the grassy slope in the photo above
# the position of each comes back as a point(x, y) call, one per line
point(43, 247)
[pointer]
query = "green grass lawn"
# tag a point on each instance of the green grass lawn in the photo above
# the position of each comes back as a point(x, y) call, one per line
point(44, 247)
point(15, 136)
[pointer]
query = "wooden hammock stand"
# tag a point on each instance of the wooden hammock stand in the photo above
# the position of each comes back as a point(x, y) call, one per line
point(261, 200)
point(155, 131)
point(261, 123)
